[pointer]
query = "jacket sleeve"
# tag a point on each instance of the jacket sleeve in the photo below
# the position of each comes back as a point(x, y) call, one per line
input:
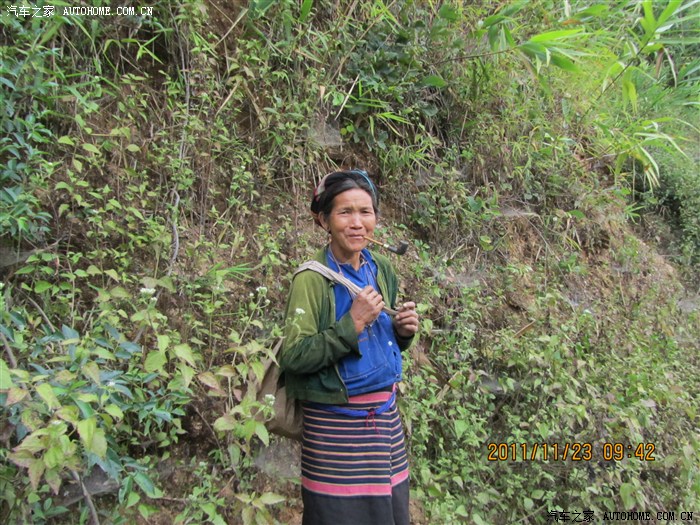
point(306, 347)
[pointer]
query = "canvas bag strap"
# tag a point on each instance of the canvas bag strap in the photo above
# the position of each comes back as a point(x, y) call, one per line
point(335, 277)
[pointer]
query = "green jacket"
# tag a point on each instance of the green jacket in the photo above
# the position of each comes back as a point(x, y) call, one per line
point(314, 342)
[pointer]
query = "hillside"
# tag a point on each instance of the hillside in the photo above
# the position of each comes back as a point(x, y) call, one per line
point(541, 159)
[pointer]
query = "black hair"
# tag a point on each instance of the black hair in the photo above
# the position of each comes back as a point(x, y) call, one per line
point(338, 182)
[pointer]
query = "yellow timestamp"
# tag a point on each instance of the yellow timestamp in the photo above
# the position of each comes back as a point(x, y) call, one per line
point(570, 451)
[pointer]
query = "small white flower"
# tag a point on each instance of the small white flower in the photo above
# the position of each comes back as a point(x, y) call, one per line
point(110, 384)
point(261, 290)
point(269, 399)
point(299, 311)
point(148, 291)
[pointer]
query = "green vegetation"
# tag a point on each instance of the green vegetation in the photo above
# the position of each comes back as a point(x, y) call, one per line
point(541, 155)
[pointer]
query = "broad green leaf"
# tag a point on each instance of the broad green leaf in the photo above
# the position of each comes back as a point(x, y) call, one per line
point(47, 393)
point(146, 485)
point(133, 148)
point(54, 480)
point(258, 369)
point(461, 427)
point(227, 371)
point(65, 139)
point(69, 413)
point(53, 457)
point(478, 520)
point(435, 81)
point(627, 491)
point(270, 498)
point(114, 411)
point(226, 422)
point(184, 352)
point(93, 438)
point(5, 379)
point(449, 13)
point(262, 432)
point(35, 442)
point(132, 499)
point(91, 148)
point(119, 292)
point(187, 374)
point(14, 395)
point(92, 371)
point(35, 471)
point(70, 334)
point(163, 342)
point(167, 283)
point(537, 494)
point(113, 274)
point(155, 361)
point(208, 379)
point(147, 511)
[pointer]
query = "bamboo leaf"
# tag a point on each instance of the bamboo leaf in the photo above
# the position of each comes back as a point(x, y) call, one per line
point(564, 63)
point(669, 11)
point(552, 36)
point(305, 10)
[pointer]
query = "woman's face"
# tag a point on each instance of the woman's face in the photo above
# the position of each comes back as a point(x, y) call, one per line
point(351, 218)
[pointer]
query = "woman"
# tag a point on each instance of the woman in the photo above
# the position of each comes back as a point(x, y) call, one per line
point(342, 359)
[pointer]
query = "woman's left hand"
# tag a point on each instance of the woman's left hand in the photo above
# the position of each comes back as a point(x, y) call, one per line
point(406, 321)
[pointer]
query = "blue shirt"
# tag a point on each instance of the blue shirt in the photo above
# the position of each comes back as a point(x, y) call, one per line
point(379, 365)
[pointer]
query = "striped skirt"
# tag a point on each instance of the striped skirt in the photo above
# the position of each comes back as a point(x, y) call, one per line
point(354, 468)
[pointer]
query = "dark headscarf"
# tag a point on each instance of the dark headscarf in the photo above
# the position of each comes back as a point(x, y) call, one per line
point(336, 183)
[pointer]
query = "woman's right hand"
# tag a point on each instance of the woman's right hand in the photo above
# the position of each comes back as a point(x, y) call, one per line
point(366, 307)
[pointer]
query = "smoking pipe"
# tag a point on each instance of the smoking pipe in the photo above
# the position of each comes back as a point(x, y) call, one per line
point(398, 250)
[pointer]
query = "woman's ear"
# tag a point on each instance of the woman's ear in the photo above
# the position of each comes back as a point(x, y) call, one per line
point(323, 222)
